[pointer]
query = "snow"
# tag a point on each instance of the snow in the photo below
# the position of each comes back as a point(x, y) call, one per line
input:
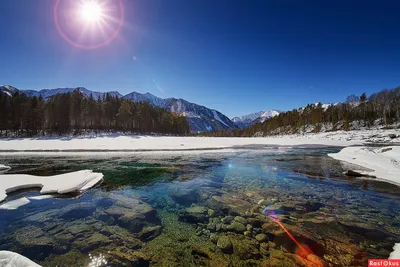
point(269, 114)
point(384, 162)
point(216, 116)
point(135, 143)
point(4, 167)
point(15, 204)
point(247, 118)
point(12, 259)
point(190, 114)
point(396, 252)
point(326, 106)
point(64, 183)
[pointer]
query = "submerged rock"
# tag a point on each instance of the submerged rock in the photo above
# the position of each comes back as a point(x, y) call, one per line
point(150, 232)
point(211, 212)
point(237, 227)
point(225, 244)
point(229, 204)
point(245, 248)
point(95, 241)
point(241, 220)
point(132, 214)
point(184, 196)
point(194, 214)
point(261, 238)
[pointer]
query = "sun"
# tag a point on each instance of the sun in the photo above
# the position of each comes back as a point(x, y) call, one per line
point(89, 24)
point(91, 12)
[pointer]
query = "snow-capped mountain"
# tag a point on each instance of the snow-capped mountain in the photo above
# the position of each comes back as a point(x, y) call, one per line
point(200, 118)
point(250, 119)
point(8, 89)
point(246, 120)
point(46, 93)
point(267, 115)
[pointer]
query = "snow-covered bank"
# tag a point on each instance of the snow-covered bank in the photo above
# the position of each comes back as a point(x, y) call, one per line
point(396, 252)
point(61, 184)
point(384, 162)
point(149, 143)
point(11, 259)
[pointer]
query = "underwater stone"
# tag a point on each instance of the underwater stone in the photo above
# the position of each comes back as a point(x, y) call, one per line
point(249, 227)
point(237, 227)
point(247, 233)
point(227, 219)
point(261, 238)
point(77, 211)
point(194, 214)
point(241, 220)
point(150, 232)
point(96, 240)
point(133, 214)
point(245, 248)
point(211, 212)
point(184, 196)
point(229, 204)
point(225, 244)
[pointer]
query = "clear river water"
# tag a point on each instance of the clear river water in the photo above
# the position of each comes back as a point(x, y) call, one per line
point(264, 206)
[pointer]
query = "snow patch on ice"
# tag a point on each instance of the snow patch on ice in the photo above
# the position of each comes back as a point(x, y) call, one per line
point(64, 183)
point(396, 252)
point(4, 167)
point(384, 162)
point(140, 143)
point(12, 259)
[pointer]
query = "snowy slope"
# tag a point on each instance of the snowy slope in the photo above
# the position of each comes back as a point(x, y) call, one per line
point(147, 97)
point(200, 118)
point(246, 120)
point(8, 89)
point(268, 114)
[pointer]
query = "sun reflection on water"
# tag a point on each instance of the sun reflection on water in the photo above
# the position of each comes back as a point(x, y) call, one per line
point(99, 261)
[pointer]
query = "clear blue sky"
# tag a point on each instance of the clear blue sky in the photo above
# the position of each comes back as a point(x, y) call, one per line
point(235, 56)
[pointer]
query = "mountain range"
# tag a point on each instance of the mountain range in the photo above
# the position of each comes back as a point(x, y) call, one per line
point(200, 118)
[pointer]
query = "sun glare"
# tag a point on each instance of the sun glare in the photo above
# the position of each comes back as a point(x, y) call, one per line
point(91, 11)
point(89, 24)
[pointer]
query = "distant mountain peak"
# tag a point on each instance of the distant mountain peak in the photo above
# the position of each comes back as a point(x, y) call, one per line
point(248, 120)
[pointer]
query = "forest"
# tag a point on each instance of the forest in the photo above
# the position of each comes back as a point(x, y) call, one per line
point(382, 107)
point(22, 115)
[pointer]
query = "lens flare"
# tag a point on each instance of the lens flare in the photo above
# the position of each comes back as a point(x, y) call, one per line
point(305, 251)
point(89, 24)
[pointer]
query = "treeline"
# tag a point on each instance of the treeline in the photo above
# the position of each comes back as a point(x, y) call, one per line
point(21, 115)
point(383, 106)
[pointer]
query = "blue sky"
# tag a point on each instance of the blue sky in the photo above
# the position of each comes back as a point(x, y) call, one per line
point(235, 56)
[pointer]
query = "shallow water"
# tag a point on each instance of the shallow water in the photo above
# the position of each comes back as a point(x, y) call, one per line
point(207, 209)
